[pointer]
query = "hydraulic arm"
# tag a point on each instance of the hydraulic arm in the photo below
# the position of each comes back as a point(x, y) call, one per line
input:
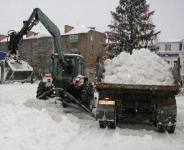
point(17, 37)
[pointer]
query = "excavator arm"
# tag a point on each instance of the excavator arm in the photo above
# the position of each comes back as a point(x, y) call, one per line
point(38, 16)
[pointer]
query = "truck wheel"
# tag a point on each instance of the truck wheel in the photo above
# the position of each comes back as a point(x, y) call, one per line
point(171, 129)
point(160, 128)
point(112, 124)
point(102, 124)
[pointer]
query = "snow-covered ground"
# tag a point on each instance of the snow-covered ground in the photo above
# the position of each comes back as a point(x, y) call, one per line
point(30, 124)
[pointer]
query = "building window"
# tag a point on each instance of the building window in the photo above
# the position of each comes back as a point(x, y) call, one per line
point(168, 47)
point(92, 38)
point(92, 46)
point(159, 47)
point(175, 62)
point(180, 46)
point(74, 38)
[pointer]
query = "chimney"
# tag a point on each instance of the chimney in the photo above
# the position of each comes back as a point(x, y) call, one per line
point(30, 33)
point(92, 28)
point(67, 28)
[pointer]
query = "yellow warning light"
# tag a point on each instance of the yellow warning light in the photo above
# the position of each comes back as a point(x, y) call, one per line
point(107, 98)
point(105, 102)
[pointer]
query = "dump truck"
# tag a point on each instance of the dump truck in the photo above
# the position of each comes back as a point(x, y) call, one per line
point(155, 104)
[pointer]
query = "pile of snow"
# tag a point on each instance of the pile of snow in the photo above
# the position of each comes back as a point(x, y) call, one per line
point(24, 127)
point(142, 67)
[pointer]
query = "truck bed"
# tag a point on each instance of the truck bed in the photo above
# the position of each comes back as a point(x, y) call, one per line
point(168, 88)
point(124, 102)
point(151, 103)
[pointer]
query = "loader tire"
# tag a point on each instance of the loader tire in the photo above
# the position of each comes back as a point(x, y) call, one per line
point(43, 92)
point(40, 90)
point(87, 95)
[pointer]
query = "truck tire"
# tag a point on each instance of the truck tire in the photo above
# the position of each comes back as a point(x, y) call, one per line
point(40, 90)
point(161, 128)
point(112, 124)
point(102, 124)
point(171, 129)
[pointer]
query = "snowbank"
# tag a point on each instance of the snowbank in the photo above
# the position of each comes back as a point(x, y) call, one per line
point(23, 127)
point(30, 124)
point(142, 67)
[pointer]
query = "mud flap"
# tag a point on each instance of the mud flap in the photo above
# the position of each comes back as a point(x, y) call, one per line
point(106, 114)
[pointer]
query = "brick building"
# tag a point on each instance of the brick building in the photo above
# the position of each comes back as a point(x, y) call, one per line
point(37, 49)
point(2, 37)
point(170, 50)
point(89, 42)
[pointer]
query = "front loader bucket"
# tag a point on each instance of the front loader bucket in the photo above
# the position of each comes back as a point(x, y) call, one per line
point(17, 70)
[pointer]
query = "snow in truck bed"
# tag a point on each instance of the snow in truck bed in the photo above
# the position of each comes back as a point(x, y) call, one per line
point(142, 67)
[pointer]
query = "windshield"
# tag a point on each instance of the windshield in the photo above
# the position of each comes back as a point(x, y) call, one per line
point(69, 68)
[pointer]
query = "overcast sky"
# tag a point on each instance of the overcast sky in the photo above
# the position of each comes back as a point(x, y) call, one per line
point(168, 17)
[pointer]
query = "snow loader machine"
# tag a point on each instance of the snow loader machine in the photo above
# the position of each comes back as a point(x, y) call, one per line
point(67, 79)
point(155, 104)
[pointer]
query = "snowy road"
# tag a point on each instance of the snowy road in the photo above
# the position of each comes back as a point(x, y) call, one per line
point(29, 124)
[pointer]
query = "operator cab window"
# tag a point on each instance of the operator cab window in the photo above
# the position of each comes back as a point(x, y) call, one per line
point(69, 67)
point(81, 68)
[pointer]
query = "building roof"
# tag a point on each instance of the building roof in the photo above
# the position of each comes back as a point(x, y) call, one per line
point(81, 29)
point(76, 30)
point(4, 40)
point(38, 35)
point(34, 36)
point(170, 40)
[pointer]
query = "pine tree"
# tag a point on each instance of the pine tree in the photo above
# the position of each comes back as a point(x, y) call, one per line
point(132, 28)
